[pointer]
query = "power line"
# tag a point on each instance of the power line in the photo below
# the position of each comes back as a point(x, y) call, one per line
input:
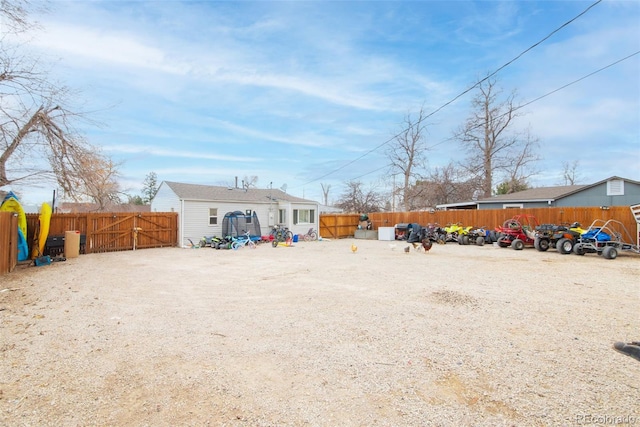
point(462, 93)
point(529, 102)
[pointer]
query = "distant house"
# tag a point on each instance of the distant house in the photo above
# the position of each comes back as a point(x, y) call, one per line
point(613, 191)
point(201, 208)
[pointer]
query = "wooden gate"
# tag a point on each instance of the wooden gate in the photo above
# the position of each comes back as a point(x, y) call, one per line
point(118, 232)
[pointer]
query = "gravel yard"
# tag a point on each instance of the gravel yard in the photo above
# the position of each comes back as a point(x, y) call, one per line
point(316, 335)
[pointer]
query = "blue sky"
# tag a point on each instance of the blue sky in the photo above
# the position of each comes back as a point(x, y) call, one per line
point(202, 92)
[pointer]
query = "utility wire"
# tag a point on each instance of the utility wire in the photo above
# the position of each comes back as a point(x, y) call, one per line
point(526, 103)
point(461, 94)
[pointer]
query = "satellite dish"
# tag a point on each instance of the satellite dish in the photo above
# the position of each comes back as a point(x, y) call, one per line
point(284, 187)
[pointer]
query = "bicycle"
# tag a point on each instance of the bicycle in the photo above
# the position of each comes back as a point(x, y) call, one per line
point(242, 241)
point(280, 234)
point(310, 236)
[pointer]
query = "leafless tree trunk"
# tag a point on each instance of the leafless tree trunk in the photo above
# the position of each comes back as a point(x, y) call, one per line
point(407, 154)
point(492, 146)
point(325, 193)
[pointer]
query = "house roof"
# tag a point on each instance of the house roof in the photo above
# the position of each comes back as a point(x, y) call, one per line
point(548, 193)
point(231, 194)
point(540, 194)
point(536, 194)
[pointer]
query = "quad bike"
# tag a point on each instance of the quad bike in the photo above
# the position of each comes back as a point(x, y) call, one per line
point(475, 235)
point(454, 231)
point(435, 233)
point(517, 232)
point(561, 237)
point(605, 238)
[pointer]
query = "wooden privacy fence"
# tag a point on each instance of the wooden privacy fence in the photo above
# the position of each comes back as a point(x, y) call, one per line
point(344, 225)
point(8, 241)
point(110, 232)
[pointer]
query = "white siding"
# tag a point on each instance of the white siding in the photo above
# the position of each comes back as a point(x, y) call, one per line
point(165, 200)
point(193, 215)
point(196, 221)
point(303, 227)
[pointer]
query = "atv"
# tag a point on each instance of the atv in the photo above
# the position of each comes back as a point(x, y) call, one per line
point(454, 231)
point(561, 237)
point(435, 233)
point(475, 235)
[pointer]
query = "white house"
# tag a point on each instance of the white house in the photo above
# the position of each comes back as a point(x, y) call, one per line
point(201, 208)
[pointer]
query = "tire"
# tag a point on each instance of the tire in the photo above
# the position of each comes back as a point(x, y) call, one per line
point(480, 241)
point(466, 240)
point(541, 244)
point(610, 252)
point(460, 241)
point(517, 244)
point(288, 235)
point(564, 246)
point(578, 249)
point(274, 243)
point(493, 236)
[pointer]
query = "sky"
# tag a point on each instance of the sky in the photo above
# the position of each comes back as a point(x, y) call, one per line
point(308, 94)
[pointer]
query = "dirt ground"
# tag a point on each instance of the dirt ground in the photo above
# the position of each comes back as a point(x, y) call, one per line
point(318, 335)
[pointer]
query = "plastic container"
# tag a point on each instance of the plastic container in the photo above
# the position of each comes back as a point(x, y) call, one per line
point(71, 244)
point(295, 238)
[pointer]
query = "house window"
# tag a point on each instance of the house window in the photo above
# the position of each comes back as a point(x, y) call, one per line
point(512, 206)
point(303, 216)
point(213, 216)
point(282, 216)
point(615, 187)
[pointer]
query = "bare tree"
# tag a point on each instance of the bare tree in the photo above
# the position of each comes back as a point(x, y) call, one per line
point(570, 172)
point(37, 138)
point(522, 161)
point(249, 181)
point(325, 193)
point(407, 154)
point(100, 182)
point(449, 184)
point(492, 146)
point(356, 199)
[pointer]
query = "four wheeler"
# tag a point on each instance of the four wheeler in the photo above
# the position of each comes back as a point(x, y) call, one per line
point(475, 235)
point(454, 231)
point(561, 237)
point(435, 233)
point(518, 232)
point(605, 238)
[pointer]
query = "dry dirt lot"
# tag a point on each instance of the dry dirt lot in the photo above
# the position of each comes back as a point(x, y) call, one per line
point(315, 335)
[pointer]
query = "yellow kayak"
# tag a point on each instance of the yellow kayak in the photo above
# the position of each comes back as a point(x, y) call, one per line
point(11, 204)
